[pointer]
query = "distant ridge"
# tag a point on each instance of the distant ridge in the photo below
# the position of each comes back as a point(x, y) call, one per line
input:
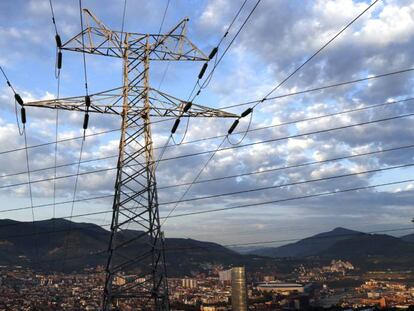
point(88, 244)
point(19, 242)
point(367, 251)
point(408, 238)
point(311, 246)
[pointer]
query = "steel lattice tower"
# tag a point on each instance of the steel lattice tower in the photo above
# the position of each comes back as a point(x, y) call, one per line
point(138, 253)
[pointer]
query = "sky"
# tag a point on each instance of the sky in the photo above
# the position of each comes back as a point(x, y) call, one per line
point(278, 37)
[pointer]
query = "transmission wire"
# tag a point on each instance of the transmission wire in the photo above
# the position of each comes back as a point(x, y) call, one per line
point(194, 180)
point(208, 79)
point(239, 206)
point(236, 146)
point(57, 75)
point(31, 194)
point(292, 198)
point(233, 106)
point(289, 184)
point(317, 52)
point(261, 171)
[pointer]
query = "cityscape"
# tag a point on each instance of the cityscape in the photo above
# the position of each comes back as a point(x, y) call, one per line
point(23, 289)
point(318, 282)
point(206, 155)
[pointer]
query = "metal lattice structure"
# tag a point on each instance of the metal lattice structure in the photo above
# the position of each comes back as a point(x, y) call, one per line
point(135, 269)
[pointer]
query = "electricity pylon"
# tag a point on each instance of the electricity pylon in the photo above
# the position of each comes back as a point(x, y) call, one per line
point(137, 253)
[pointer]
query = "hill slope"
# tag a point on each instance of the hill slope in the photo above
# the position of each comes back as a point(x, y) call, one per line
point(46, 244)
point(311, 246)
point(367, 251)
point(408, 238)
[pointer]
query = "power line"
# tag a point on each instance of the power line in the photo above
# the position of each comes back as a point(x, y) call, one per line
point(292, 198)
point(292, 166)
point(85, 73)
point(73, 197)
point(212, 210)
point(220, 136)
point(238, 105)
point(78, 137)
point(318, 51)
point(85, 125)
point(159, 31)
point(231, 23)
point(194, 180)
point(271, 187)
point(74, 191)
point(44, 232)
point(207, 247)
point(262, 171)
point(7, 80)
point(315, 237)
point(53, 16)
point(291, 136)
point(59, 166)
point(17, 99)
point(227, 48)
point(239, 175)
point(55, 160)
point(216, 63)
point(242, 104)
point(123, 19)
point(290, 184)
point(321, 88)
point(30, 191)
point(24, 133)
point(58, 66)
point(251, 109)
point(221, 40)
point(238, 146)
point(164, 15)
point(198, 175)
point(106, 196)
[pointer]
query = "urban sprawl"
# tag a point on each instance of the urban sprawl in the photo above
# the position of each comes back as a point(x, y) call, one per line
point(338, 284)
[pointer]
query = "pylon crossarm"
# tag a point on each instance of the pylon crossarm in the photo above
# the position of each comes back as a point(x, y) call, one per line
point(104, 45)
point(103, 102)
point(96, 42)
point(110, 102)
point(100, 40)
point(195, 110)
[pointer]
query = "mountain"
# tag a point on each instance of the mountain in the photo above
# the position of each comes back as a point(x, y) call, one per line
point(408, 238)
point(245, 249)
point(310, 246)
point(367, 251)
point(45, 244)
point(370, 245)
point(373, 252)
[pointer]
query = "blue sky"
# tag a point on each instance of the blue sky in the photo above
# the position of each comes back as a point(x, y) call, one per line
point(279, 36)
